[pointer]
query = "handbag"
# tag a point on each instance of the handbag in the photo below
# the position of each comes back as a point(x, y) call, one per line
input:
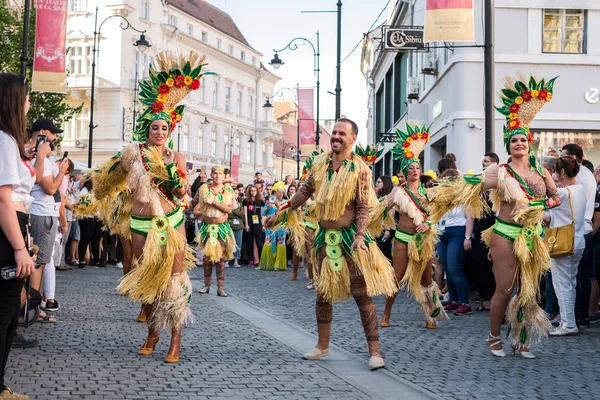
point(561, 240)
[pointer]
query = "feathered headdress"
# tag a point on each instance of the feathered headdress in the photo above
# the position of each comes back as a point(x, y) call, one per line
point(369, 154)
point(410, 144)
point(174, 79)
point(520, 104)
point(278, 186)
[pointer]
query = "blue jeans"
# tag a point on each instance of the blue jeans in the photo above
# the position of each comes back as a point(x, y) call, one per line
point(452, 253)
point(238, 243)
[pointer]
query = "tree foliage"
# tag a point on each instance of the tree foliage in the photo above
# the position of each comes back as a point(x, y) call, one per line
point(43, 105)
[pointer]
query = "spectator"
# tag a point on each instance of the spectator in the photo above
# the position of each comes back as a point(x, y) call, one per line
point(258, 179)
point(289, 180)
point(17, 177)
point(383, 187)
point(228, 180)
point(564, 269)
point(401, 178)
point(59, 249)
point(74, 234)
point(237, 221)
point(45, 208)
point(291, 191)
point(426, 180)
point(588, 164)
point(585, 273)
point(455, 240)
point(445, 164)
point(484, 275)
point(199, 181)
point(253, 204)
point(450, 156)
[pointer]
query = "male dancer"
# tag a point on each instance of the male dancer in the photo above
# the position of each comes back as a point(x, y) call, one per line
point(345, 258)
point(215, 237)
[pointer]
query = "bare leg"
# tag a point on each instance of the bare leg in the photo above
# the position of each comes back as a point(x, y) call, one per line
point(127, 253)
point(35, 280)
point(505, 267)
point(177, 268)
point(439, 273)
point(310, 235)
point(400, 263)
point(74, 250)
point(295, 265)
point(594, 299)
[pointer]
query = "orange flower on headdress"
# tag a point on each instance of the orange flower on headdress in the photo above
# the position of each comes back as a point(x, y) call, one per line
point(514, 124)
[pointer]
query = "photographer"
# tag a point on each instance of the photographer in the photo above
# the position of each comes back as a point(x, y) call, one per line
point(16, 179)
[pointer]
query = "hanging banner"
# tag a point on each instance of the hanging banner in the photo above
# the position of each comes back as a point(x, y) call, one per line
point(449, 21)
point(49, 73)
point(235, 167)
point(306, 120)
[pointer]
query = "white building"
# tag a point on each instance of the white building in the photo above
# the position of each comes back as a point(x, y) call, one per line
point(546, 42)
point(230, 102)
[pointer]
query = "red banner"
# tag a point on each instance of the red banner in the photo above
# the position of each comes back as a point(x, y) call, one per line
point(306, 120)
point(449, 21)
point(235, 167)
point(49, 73)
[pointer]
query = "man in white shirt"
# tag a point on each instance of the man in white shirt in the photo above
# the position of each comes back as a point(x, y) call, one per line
point(586, 270)
point(44, 210)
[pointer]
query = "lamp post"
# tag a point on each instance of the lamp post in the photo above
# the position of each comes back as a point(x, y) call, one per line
point(142, 44)
point(276, 62)
point(232, 134)
point(298, 152)
point(285, 145)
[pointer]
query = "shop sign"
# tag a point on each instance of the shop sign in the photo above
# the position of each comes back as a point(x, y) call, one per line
point(403, 39)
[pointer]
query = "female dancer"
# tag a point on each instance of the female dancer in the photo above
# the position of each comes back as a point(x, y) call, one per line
point(274, 256)
point(155, 175)
point(521, 191)
point(415, 238)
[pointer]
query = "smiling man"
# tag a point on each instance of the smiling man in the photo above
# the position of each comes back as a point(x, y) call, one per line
point(347, 262)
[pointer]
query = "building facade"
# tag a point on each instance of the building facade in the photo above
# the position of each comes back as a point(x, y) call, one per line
point(445, 86)
point(220, 118)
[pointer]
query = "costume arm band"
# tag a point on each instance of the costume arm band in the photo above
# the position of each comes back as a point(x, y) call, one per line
point(552, 201)
point(174, 175)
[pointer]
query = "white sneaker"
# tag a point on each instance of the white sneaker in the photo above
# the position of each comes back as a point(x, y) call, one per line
point(311, 285)
point(120, 265)
point(236, 264)
point(563, 331)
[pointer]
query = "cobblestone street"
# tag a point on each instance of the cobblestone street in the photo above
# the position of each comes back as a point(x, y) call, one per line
point(249, 346)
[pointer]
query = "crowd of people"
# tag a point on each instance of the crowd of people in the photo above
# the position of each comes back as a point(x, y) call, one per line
point(442, 235)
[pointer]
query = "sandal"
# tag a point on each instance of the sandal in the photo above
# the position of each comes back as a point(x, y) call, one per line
point(46, 318)
point(482, 308)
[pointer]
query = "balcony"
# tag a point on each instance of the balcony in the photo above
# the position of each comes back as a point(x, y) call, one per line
point(271, 131)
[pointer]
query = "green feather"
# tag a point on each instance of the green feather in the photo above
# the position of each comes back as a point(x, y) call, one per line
point(550, 85)
point(523, 335)
point(506, 102)
point(532, 83)
point(329, 174)
point(187, 68)
point(510, 94)
point(436, 312)
point(409, 130)
point(520, 86)
point(541, 84)
point(520, 315)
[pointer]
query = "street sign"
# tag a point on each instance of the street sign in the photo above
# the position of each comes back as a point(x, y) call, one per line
point(403, 39)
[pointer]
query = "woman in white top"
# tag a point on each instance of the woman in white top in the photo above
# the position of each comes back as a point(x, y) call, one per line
point(564, 269)
point(16, 181)
point(456, 232)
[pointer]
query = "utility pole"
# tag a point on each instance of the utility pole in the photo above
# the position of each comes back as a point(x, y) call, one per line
point(488, 56)
point(25, 44)
point(338, 87)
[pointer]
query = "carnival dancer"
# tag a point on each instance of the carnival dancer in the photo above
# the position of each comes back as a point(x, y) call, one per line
point(521, 191)
point(346, 260)
point(156, 176)
point(415, 237)
point(274, 254)
point(215, 237)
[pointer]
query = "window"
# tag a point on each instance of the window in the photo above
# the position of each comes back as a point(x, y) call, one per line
point(191, 30)
point(173, 20)
point(145, 9)
point(202, 90)
point(219, 43)
point(251, 106)
point(216, 95)
point(230, 51)
point(239, 103)
point(254, 61)
point(228, 98)
point(185, 130)
point(78, 5)
point(200, 139)
point(564, 31)
point(80, 60)
point(204, 37)
point(243, 56)
point(213, 144)
point(226, 143)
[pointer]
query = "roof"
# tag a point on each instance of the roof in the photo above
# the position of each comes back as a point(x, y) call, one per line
point(210, 15)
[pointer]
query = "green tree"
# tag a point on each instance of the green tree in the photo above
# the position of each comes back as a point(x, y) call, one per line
point(43, 105)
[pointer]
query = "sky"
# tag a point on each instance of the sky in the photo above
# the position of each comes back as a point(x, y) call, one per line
point(272, 24)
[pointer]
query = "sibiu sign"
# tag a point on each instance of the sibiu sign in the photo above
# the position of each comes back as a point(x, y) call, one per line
point(403, 39)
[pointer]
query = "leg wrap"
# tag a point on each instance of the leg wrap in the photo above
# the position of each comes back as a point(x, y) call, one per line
point(220, 274)
point(172, 310)
point(366, 307)
point(323, 310)
point(208, 271)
